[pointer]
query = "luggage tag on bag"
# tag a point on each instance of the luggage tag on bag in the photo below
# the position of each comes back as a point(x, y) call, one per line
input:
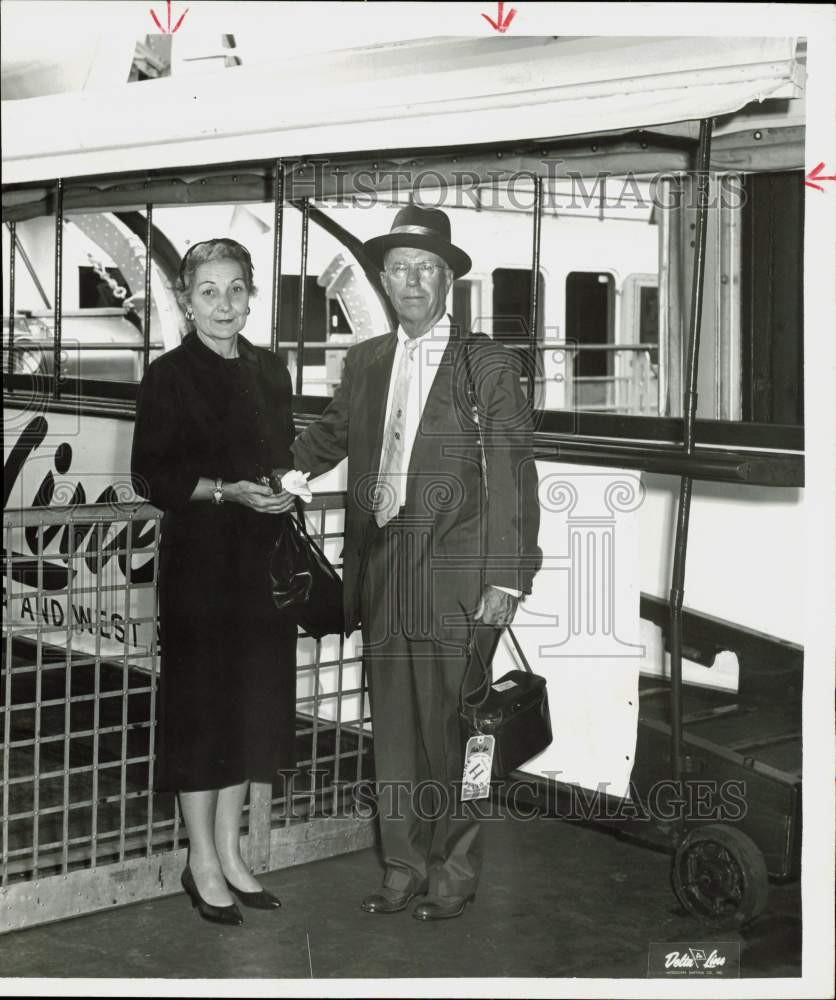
point(478, 766)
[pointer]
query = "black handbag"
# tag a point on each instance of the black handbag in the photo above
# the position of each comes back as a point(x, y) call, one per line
point(303, 583)
point(514, 709)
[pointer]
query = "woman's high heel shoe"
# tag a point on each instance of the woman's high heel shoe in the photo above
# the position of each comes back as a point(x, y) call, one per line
point(230, 915)
point(261, 900)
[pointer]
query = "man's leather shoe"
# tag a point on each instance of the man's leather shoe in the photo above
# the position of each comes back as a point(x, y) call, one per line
point(442, 907)
point(388, 900)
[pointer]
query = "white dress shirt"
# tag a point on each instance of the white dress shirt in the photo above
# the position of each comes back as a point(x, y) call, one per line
point(426, 359)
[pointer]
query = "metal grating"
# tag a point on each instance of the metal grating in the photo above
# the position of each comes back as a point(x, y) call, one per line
point(79, 688)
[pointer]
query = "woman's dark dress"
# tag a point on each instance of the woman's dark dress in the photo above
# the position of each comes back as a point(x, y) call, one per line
point(226, 706)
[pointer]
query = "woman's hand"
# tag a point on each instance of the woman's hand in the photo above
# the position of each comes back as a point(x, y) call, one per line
point(259, 497)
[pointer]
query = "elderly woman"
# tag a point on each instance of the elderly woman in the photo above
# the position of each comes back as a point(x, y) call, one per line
point(213, 416)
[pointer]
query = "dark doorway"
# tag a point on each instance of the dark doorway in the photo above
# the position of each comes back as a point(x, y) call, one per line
point(316, 315)
point(589, 320)
point(649, 319)
point(511, 304)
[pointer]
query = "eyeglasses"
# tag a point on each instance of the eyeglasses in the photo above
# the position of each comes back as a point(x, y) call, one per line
point(426, 268)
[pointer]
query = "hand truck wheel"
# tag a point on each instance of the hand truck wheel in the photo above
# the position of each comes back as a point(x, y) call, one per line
point(719, 875)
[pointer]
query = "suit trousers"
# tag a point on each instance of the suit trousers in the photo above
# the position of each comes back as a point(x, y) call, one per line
point(429, 839)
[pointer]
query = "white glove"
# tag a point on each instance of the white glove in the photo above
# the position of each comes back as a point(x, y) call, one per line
point(296, 482)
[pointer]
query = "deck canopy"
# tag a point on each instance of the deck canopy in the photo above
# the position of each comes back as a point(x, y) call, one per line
point(418, 94)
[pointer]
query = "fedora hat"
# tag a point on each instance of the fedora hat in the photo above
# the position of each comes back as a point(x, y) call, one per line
point(422, 229)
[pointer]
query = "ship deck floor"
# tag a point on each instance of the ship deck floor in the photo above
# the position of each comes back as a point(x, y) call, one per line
point(557, 899)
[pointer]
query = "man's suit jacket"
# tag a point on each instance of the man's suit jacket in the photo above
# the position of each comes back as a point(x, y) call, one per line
point(462, 540)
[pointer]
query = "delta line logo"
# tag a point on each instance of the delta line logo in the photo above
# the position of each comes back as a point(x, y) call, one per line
point(697, 958)
point(717, 958)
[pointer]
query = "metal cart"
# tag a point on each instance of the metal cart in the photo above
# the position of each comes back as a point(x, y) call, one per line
point(717, 775)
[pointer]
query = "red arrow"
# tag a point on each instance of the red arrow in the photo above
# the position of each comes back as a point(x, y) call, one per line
point(168, 30)
point(500, 24)
point(816, 175)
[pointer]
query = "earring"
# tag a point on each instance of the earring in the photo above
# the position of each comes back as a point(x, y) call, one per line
point(190, 315)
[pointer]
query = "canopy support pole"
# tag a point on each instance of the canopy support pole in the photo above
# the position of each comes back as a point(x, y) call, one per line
point(534, 296)
point(689, 418)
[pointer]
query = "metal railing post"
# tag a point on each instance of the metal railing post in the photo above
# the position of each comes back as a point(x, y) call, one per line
point(303, 273)
point(146, 329)
point(12, 248)
point(278, 227)
point(259, 825)
point(59, 285)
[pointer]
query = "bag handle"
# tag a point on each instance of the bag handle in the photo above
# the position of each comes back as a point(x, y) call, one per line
point(300, 517)
point(519, 651)
point(471, 702)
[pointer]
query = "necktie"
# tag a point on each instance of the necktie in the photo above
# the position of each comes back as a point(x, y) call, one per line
point(387, 497)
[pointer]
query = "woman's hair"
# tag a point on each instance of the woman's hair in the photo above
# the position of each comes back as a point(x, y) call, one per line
point(217, 249)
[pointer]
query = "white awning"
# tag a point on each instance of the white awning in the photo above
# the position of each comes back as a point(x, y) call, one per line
point(440, 92)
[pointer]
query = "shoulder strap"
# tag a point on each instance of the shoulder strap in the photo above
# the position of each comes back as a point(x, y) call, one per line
point(300, 516)
point(470, 703)
point(473, 401)
point(477, 697)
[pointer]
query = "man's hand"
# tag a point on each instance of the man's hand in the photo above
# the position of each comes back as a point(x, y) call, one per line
point(259, 497)
point(497, 607)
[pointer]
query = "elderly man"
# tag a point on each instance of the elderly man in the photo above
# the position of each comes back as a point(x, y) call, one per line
point(433, 543)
